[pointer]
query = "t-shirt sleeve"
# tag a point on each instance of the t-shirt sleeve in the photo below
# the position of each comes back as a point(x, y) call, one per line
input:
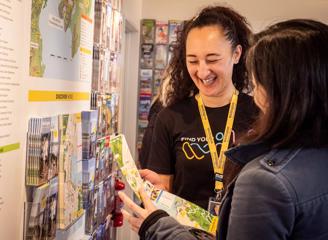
point(147, 138)
point(161, 157)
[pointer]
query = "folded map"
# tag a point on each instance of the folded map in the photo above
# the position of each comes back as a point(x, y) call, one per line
point(183, 211)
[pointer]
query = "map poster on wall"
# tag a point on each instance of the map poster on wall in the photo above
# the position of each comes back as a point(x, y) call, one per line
point(61, 39)
point(11, 170)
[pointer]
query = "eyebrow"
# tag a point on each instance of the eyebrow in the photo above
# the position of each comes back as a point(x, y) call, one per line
point(208, 55)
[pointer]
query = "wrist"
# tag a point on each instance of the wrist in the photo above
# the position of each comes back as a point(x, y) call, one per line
point(149, 221)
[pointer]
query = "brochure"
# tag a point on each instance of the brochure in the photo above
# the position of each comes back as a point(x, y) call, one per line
point(182, 210)
point(161, 36)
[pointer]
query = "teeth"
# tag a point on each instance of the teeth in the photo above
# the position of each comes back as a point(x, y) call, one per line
point(208, 81)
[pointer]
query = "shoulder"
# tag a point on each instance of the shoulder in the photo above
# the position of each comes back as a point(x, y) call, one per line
point(258, 173)
point(262, 206)
point(266, 168)
point(304, 170)
point(298, 173)
point(155, 108)
point(246, 103)
point(181, 107)
point(183, 104)
point(172, 116)
point(246, 111)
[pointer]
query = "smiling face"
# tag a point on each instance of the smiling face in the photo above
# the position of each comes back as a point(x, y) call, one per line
point(210, 60)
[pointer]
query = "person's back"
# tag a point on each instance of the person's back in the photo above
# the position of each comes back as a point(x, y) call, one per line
point(306, 176)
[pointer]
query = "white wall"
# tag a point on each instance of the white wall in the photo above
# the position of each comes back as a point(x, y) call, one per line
point(259, 13)
point(132, 14)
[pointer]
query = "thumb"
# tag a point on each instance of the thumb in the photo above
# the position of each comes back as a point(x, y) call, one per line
point(146, 200)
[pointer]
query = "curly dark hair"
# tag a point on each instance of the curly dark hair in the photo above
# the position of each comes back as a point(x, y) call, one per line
point(236, 30)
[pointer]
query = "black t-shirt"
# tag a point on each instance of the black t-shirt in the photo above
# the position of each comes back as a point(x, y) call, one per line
point(179, 145)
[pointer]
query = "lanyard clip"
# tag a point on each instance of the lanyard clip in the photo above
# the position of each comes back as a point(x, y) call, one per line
point(219, 195)
point(218, 186)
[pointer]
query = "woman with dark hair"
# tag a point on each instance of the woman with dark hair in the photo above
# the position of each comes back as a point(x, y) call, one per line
point(281, 191)
point(208, 79)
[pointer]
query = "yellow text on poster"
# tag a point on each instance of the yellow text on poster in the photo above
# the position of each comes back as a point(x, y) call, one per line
point(50, 96)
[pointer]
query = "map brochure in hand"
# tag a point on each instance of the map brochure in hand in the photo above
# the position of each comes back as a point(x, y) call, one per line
point(182, 210)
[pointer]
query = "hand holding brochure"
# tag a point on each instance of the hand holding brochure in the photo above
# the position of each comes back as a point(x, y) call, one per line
point(182, 210)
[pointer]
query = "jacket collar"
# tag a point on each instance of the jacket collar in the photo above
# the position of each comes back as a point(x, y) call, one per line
point(243, 154)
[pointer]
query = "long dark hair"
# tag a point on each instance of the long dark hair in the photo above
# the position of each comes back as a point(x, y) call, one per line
point(290, 61)
point(236, 30)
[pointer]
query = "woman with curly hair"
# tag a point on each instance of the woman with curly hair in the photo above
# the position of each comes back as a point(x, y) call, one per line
point(208, 79)
point(281, 192)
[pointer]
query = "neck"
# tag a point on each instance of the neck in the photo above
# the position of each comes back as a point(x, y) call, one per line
point(219, 100)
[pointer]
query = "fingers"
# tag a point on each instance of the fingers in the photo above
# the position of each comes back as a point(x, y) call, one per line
point(134, 221)
point(146, 200)
point(126, 215)
point(131, 205)
point(151, 177)
point(145, 172)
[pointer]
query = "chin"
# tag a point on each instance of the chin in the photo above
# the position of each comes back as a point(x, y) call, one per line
point(210, 92)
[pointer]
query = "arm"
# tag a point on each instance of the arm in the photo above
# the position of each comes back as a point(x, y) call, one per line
point(168, 228)
point(262, 207)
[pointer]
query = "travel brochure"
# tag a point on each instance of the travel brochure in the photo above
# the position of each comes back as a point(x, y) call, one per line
point(42, 150)
point(158, 40)
point(182, 210)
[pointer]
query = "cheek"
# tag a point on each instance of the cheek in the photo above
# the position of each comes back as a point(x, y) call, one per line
point(223, 68)
point(229, 68)
point(192, 71)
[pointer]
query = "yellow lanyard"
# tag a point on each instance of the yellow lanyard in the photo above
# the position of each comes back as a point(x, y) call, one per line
point(218, 161)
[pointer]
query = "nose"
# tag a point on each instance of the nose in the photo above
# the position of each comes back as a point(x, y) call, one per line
point(203, 70)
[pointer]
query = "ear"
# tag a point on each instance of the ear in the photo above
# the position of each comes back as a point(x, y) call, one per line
point(237, 53)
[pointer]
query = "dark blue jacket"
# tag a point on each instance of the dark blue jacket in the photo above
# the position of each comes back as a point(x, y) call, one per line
point(279, 194)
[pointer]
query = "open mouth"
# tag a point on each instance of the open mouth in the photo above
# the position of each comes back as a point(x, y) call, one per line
point(208, 81)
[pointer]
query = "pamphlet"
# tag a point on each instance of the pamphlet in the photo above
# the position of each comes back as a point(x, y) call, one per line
point(182, 210)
